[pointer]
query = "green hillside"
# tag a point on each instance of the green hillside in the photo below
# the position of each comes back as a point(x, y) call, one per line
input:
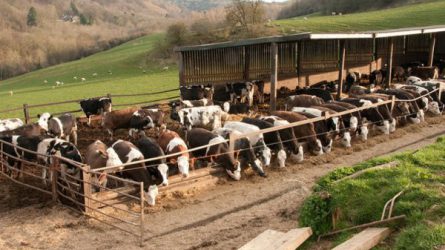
point(130, 74)
point(408, 16)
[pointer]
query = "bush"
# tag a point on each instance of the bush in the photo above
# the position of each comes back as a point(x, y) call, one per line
point(421, 237)
point(316, 213)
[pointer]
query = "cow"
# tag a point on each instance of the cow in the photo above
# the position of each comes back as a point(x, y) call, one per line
point(64, 126)
point(138, 172)
point(415, 114)
point(385, 110)
point(362, 128)
point(200, 116)
point(258, 90)
point(333, 123)
point(145, 119)
point(273, 139)
point(28, 130)
point(217, 151)
point(325, 85)
point(117, 119)
point(288, 137)
point(303, 101)
point(244, 150)
point(351, 79)
point(241, 90)
point(239, 108)
point(150, 148)
point(256, 139)
point(350, 120)
point(98, 155)
point(321, 93)
point(196, 103)
point(10, 124)
point(12, 150)
point(432, 99)
point(198, 92)
point(372, 114)
point(398, 73)
point(376, 78)
point(53, 146)
point(95, 106)
point(304, 133)
point(171, 143)
point(323, 132)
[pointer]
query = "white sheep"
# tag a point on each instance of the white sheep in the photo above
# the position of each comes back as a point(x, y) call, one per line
point(45, 81)
point(95, 74)
point(58, 83)
point(83, 79)
point(165, 68)
point(75, 78)
point(11, 93)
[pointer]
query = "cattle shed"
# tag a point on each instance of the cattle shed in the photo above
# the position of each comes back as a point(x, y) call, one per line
point(307, 58)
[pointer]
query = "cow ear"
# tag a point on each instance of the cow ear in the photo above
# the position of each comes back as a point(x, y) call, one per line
point(51, 117)
point(38, 116)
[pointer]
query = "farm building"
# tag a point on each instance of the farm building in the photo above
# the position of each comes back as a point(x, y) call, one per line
point(307, 58)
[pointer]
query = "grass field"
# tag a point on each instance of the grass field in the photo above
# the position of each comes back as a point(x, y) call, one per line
point(421, 175)
point(408, 16)
point(131, 73)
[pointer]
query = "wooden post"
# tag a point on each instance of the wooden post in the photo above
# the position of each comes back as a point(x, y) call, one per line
point(274, 77)
point(246, 73)
point(109, 96)
point(341, 67)
point(181, 69)
point(432, 49)
point(232, 139)
point(142, 228)
point(390, 60)
point(54, 176)
point(299, 49)
point(87, 188)
point(26, 113)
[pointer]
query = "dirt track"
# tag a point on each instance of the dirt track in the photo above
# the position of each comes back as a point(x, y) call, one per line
point(223, 217)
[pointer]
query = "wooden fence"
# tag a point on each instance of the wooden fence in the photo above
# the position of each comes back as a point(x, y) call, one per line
point(28, 107)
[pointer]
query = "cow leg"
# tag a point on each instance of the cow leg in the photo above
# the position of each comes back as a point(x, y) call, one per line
point(110, 132)
point(74, 135)
point(89, 121)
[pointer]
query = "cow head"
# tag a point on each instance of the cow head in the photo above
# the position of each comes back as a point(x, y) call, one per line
point(346, 140)
point(258, 167)
point(150, 195)
point(113, 159)
point(265, 154)
point(384, 128)
point(70, 152)
point(353, 123)
point(363, 132)
point(413, 80)
point(236, 172)
point(282, 156)
point(43, 120)
point(226, 107)
point(317, 148)
point(185, 118)
point(163, 169)
point(433, 107)
point(105, 104)
point(299, 155)
point(183, 165)
point(392, 125)
point(327, 148)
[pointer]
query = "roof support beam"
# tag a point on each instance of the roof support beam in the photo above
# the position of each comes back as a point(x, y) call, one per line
point(390, 61)
point(341, 68)
point(274, 76)
point(181, 69)
point(432, 49)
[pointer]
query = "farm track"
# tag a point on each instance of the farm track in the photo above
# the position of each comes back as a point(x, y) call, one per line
point(222, 217)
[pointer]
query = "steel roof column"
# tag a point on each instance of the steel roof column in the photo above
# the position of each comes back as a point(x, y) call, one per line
point(432, 49)
point(390, 61)
point(341, 67)
point(274, 76)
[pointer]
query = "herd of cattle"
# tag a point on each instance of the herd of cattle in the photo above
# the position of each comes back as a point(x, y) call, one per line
point(203, 113)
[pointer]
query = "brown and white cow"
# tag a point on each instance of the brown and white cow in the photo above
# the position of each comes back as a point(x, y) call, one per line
point(117, 119)
point(303, 101)
point(172, 143)
point(145, 119)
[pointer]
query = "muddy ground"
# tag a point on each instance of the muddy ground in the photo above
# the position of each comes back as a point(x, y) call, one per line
point(222, 217)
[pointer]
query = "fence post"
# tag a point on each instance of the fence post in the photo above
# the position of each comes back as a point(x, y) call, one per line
point(26, 113)
point(142, 215)
point(54, 177)
point(393, 103)
point(109, 96)
point(232, 139)
point(87, 188)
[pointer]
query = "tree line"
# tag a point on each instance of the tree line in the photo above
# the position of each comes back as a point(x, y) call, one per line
point(328, 7)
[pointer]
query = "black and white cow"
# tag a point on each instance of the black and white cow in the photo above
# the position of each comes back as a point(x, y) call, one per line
point(415, 113)
point(351, 79)
point(95, 106)
point(372, 114)
point(362, 127)
point(273, 139)
point(64, 126)
point(61, 148)
point(290, 142)
point(256, 139)
point(244, 91)
point(129, 153)
point(197, 92)
point(11, 151)
point(385, 110)
point(218, 151)
point(323, 132)
point(432, 100)
point(200, 116)
point(376, 78)
point(145, 119)
point(157, 168)
point(244, 150)
point(10, 124)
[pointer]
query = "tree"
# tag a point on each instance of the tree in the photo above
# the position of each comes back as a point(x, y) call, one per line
point(177, 34)
point(85, 20)
point(32, 17)
point(245, 14)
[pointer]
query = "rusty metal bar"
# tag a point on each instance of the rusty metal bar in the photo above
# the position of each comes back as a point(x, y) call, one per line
point(142, 224)
point(26, 185)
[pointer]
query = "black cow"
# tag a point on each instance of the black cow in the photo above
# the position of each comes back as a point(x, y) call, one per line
point(377, 77)
point(95, 106)
point(244, 91)
point(158, 169)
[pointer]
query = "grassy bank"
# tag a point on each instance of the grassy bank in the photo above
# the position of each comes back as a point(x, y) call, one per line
point(421, 175)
